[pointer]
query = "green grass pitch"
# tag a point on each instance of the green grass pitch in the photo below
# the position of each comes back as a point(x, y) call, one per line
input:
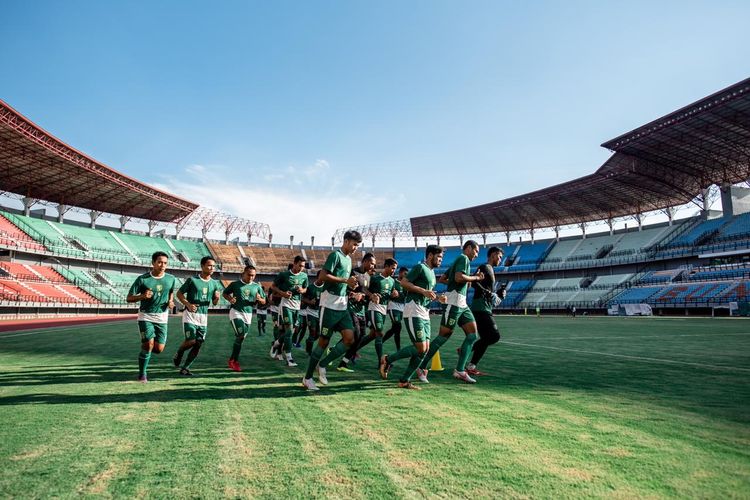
point(585, 407)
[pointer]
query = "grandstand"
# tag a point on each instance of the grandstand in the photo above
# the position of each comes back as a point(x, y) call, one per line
point(698, 263)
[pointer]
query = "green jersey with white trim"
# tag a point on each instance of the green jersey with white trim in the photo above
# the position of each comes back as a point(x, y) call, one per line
point(245, 293)
point(161, 287)
point(422, 276)
point(200, 292)
point(461, 264)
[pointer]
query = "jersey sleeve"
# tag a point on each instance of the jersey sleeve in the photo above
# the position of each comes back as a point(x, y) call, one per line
point(332, 262)
point(261, 292)
point(306, 282)
point(135, 288)
point(414, 274)
point(185, 286)
point(278, 280)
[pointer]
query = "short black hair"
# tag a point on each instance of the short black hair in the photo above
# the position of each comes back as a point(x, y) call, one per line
point(249, 268)
point(353, 235)
point(403, 269)
point(433, 249)
point(299, 259)
point(390, 262)
point(470, 243)
point(156, 255)
point(206, 259)
point(492, 250)
point(368, 255)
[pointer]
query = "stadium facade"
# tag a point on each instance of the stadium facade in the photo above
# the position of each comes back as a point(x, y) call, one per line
point(50, 263)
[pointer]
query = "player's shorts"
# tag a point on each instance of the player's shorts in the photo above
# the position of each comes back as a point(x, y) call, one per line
point(240, 327)
point(194, 332)
point(377, 320)
point(151, 330)
point(454, 315)
point(289, 317)
point(418, 329)
point(334, 321)
point(396, 315)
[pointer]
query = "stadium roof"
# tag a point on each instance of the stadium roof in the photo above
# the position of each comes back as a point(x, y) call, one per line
point(662, 164)
point(36, 164)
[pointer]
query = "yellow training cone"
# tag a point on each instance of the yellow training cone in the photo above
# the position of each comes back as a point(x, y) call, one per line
point(437, 366)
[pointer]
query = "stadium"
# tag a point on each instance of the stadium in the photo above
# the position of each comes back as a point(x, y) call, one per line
point(335, 249)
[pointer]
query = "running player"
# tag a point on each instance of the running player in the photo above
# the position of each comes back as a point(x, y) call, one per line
point(380, 291)
point(458, 313)
point(333, 308)
point(289, 285)
point(196, 294)
point(396, 310)
point(418, 285)
point(357, 307)
point(261, 311)
point(155, 292)
point(243, 295)
point(481, 306)
point(311, 298)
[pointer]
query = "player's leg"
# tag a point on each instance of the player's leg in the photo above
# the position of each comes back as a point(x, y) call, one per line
point(188, 330)
point(447, 324)
point(488, 335)
point(326, 322)
point(395, 329)
point(358, 330)
point(312, 325)
point(468, 323)
point(194, 337)
point(289, 321)
point(240, 329)
point(146, 330)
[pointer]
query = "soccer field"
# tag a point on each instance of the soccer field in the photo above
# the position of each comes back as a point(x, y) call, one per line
point(572, 407)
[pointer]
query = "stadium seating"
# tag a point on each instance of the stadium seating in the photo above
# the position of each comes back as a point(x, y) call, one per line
point(738, 227)
point(698, 234)
point(11, 236)
point(32, 283)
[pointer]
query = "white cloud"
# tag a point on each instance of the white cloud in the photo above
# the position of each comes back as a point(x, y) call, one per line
point(312, 200)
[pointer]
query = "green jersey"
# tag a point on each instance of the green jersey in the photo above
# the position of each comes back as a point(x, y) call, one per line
point(383, 286)
point(357, 307)
point(457, 291)
point(155, 309)
point(334, 294)
point(200, 292)
point(401, 295)
point(313, 293)
point(287, 281)
point(422, 276)
point(245, 293)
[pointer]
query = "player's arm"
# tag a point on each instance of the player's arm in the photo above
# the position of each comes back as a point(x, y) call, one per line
point(467, 278)
point(229, 295)
point(185, 302)
point(137, 297)
point(411, 287)
point(217, 295)
point(443, 278)
point(328, 277)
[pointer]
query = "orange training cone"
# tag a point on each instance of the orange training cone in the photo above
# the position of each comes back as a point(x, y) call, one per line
point(437, 366)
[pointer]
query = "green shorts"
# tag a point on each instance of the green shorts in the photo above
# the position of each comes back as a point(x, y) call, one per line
point(456, 315)
point(151, 330)
point(194, 332)
point(396, 315)
point(289, 318)
point(240, 327)
point(418, 329)
point(334, 321)
point(377, 320)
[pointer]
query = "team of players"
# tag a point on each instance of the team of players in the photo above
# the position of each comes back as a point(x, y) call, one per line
point(340, 300)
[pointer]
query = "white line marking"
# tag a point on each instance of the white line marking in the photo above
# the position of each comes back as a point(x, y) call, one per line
point(55, 329)
point(634, 358)
point(658, 337)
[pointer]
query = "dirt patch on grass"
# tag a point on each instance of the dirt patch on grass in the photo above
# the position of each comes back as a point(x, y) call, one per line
point(99, 483)
point(618, 452)
point(30, 455)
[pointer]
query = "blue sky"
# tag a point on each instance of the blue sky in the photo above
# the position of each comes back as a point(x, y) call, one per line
point(315, 115)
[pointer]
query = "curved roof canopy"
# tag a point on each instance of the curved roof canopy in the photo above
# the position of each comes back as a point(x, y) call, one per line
point(662, 164)
point(36, 164)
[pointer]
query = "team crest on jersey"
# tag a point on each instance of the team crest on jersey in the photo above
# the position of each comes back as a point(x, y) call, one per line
point(159, 288)
point(205, 290)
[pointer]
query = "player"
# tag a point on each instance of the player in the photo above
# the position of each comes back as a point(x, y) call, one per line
point(481, 307)
point(337, 279)
point(196, 294)
point(289, 285)
point(379, 292)
point(243, 295)
point(261, 312)
point(418, 285)
point(357, 307)
point(311, 298)
point(396, 310)
point(155, 292)
point(458, 313)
